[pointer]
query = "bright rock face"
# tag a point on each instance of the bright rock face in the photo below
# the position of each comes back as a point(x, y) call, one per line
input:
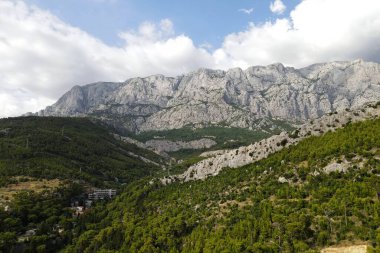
point(234, 98)
point(233, 158)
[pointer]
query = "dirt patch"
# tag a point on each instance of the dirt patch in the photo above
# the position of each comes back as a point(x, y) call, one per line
point(346, 249)
point(7, 192)
point(225, 207)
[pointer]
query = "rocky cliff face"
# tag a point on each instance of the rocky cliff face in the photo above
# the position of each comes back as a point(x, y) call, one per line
point(232, 98)
point(218, 160)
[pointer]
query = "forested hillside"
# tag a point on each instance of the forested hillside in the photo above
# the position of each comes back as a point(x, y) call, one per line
point(225, 137)
point(68, 148)
point(38, 222)
point(323, 191)
point(47, 162)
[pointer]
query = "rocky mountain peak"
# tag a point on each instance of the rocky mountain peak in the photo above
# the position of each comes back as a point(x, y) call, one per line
point(236, 97)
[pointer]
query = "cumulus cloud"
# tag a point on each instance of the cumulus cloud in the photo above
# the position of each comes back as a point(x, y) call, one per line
point(15, 101)
point(277, 7)
point(316, 31)
point(42, 57)
point(149, 32)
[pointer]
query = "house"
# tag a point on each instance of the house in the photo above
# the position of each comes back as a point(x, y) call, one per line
point(78, 210)
point(99, 194)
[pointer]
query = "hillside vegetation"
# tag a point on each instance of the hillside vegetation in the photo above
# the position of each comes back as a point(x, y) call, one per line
point(38, 220)
point(287, 202)
point(226, 137)
point(68, 148)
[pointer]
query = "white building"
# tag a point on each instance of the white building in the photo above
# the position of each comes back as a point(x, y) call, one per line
point(102, 194)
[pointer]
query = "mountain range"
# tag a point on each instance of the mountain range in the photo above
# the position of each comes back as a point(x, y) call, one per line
point(234, 98)
point(268, 159)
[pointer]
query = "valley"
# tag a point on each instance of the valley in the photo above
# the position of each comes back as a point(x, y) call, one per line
point(285, 202)
point(291, 200)
point(190, 126)
point(234, 180)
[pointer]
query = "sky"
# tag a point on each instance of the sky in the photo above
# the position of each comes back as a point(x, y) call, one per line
point(207, 22)
point(48, 46)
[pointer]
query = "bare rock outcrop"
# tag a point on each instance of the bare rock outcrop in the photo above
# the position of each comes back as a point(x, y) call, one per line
point(236, 98)
point(217, 160)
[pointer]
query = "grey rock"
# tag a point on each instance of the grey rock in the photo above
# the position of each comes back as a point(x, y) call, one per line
point(336, 167)
point(216, 161)
point(235, 98)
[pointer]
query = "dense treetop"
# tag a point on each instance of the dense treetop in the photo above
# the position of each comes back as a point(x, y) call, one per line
point(249, 209)
point(68, 148)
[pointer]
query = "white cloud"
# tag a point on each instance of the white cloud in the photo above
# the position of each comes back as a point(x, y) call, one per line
point(42, 57)
point(166, 25)
point(277, 7)
point(316, 31)
point(246, 11)
point(149, 32)
point(13, 102)
point(206, 45)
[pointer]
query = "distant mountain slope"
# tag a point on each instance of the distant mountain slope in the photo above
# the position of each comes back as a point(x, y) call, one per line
point(233, 98)
point(69, 148)
point(218, 137)
point(233, 158)
point(322, 191)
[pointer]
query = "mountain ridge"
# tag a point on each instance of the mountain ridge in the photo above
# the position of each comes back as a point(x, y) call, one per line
point(218, 160)
point(233, 98)
point(70, 148)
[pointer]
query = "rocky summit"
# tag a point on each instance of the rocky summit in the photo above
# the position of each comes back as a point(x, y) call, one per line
point(235, 98)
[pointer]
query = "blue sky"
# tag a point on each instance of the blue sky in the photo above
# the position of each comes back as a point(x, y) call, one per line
point(207, 21)
point(48, 46)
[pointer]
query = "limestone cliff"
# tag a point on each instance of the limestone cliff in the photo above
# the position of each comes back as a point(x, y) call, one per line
point(236, 97)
